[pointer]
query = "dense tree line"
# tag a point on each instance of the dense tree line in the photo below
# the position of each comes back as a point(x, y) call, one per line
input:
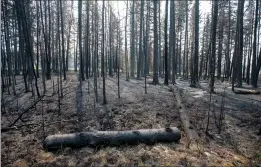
point(43, 36)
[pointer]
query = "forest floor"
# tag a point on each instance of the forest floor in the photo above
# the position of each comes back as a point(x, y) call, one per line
point(236, 145)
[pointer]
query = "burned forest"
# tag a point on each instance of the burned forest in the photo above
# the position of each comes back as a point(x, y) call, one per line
point(130, 83)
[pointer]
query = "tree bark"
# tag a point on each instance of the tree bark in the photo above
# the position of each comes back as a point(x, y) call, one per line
point(112, 138)
point(250, 51)
point(103, 70)
point(166, 81)
point(213, 50)
point(68, 38)
point(126, 49)
point(202, 51)
point(254, 76)
point(220, 42)
point(80, 39)
point(194, 79)
point(37, 40)
point(140, 41)
point(228, 42)
point(160, 57)
point(155, 60)
point(237, 62)
point(132, 47)
point(63, 47)
point(172, 40)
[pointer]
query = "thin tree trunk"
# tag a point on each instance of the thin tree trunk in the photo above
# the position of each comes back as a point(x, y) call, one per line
point(59, 52)
point(202, 51)
point(172, 40)
point(146, 69)
point(132, 47)
point(63, 47)
point(49, 43)
point(96, 53)
point(166, 81)
point(228, 43)
point(68, 39)
point(213, 45)
point(195, 59)
point(37, 40)
point(87, 41)
point(220, 42)
point(103, 73)
point(155, 60)
point(126, 43)
point(161, 58)
point(254, 76)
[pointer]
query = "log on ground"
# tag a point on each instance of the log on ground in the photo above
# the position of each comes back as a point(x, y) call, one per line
point(190, 132)
point(246, 91)
point(112, 138)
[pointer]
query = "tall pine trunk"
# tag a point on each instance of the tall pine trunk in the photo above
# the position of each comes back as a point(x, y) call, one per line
point(212, 59)
point(103, 70)
point(132, 47)
point(166, 81)
point(254, 75)
point(155, 57)
point(140, 41)
point(172, 41)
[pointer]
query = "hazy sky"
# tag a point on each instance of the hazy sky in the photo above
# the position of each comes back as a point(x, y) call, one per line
point(120, 6)
point(205, 7)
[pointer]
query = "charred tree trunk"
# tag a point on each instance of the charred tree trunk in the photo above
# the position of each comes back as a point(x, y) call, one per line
point(212, 60)
point(63, 47)
point(103, 70)
point(166, 81)
point(155, 60)
point(126, 49)
point(194, 80)
point(220, 42)
point(254, 72)
point(132, 47)
point(172, 40)
point(21, 11)
point(140, 41)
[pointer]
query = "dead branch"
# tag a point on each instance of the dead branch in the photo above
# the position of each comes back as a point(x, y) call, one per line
point(25, 111)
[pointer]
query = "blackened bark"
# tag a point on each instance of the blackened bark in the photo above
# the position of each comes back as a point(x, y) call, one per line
point(166, 81)
point(213, 50)
point(254, 76)
point(103, 70)
point(155, 60)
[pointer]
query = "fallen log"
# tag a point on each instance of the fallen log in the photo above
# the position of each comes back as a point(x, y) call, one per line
point(112, 138)
point(246, 91)
point(190, 132)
